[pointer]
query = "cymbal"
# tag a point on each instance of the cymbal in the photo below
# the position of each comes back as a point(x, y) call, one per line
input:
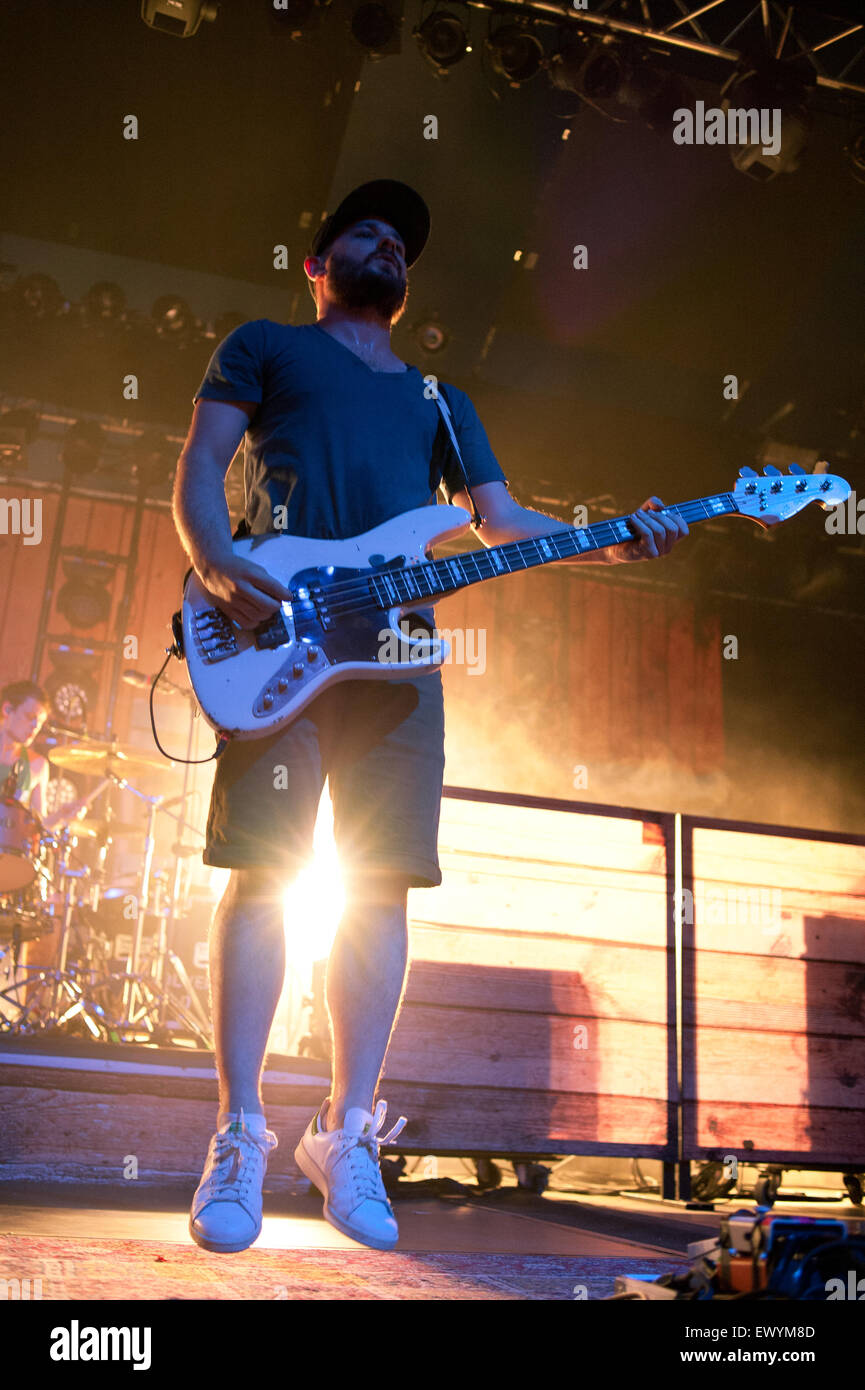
point(91, 828)
point(95, 759)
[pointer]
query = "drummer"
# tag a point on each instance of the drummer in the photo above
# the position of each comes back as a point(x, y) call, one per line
point(23, 710)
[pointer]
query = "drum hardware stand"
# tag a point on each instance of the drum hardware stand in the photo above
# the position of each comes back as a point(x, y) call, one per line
point(201, 1030)
point(59, 983)
point(146, 993)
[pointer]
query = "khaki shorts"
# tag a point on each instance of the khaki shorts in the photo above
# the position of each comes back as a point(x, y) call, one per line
point(380, 744)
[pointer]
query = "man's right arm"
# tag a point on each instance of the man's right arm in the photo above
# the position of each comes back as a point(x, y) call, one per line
point(244, 590)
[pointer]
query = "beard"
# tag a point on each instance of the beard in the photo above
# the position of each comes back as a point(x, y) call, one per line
point(368, 285)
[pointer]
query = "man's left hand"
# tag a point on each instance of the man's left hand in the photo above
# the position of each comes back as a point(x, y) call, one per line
point(657, 535)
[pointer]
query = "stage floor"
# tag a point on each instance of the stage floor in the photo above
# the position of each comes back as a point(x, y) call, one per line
point(103, 1241)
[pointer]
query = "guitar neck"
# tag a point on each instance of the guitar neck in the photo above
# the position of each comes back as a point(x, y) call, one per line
point(435, 578)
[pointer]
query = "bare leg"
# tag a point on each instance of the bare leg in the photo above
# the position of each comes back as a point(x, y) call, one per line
point(247, 968)
point(366, 974)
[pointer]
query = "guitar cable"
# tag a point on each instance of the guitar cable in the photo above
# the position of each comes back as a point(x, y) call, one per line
point(222, 741)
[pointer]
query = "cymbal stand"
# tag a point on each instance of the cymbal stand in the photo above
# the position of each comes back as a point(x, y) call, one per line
point(144, 992)
point(135, 1005)
point(166, 953)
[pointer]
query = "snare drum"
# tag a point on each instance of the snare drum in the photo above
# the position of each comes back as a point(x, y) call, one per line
point(21, 846)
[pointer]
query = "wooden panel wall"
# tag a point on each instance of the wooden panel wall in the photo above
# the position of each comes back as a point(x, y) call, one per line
point(774, 986)
point(538, 983)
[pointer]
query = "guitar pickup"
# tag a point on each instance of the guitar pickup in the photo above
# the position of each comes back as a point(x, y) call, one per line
point(272, 632)
point(321, 606)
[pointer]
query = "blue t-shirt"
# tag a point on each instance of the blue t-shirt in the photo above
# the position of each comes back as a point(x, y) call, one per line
point(342, 447)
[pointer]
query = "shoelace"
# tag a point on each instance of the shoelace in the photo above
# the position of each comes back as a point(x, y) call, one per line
point(362, 1151)
point(230, 1145)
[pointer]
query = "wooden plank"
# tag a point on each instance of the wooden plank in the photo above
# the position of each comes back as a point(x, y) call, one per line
point(778, 1133)
point(756, 1067)
point(79, 1132)
point(815, 866)
point(604, 906)
point(774, 994)
point(470, 1048)
point(530, 833)
point(797, 935)
point(578, 977)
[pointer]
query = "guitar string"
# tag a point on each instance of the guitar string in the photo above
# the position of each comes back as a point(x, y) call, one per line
point(345, 591)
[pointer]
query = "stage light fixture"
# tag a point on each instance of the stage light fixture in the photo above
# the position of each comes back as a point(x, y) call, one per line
point(442, 39)
point(516, 53)
point(182, 18)
point(72, 686)
point(375, 28)
point(172, 318)
point(430, 335)
point(18, 429)
point(82, 447)
point(565, 66)
point(84, 599)
point(769, 86)
point(104, 304)
point(649, 94)
point(37, 296)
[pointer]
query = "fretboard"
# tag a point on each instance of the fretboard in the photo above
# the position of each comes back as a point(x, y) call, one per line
point(434, 578)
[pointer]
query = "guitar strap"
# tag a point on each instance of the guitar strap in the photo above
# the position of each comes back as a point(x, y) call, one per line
point(477, 519)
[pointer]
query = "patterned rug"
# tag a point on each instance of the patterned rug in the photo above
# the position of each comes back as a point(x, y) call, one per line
point(83, 1271)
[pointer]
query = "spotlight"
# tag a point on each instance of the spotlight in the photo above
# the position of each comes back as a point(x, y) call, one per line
point(18, 429)
point(84, 600)
point(82, 447)
point(104, 303)
point(768, 86)
point(37, 296)
point(430, 335)
point(179, 17)
point(651, 95)
point(515, 52)
point(173, 318)
point(72, 685)
point(442, 40)
point(375, 28)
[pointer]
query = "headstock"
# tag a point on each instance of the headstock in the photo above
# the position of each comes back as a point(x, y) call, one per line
point(776, 496)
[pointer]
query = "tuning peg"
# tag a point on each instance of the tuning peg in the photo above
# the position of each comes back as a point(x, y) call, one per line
point(796, 468)
point(747, 472)
point(770, 471)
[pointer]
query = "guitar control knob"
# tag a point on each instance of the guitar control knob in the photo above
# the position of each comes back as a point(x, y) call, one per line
point(282, 685)
point(297, 669)
point(311, 653)
point(267, 701)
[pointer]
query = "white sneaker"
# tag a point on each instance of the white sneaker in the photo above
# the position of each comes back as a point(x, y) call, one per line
point(226, 1208)
point(344, 1165)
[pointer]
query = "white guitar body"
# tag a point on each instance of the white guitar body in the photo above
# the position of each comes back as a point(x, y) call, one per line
point(342, 623)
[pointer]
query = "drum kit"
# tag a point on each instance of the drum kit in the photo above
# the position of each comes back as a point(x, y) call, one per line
point(55, 894)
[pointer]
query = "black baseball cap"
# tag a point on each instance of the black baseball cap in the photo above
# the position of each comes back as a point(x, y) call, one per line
point(388, 199)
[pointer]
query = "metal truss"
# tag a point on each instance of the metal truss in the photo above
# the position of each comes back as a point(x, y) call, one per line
point(813, 39)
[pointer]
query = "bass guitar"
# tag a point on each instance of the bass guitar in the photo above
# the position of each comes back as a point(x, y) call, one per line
point(349, 598)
